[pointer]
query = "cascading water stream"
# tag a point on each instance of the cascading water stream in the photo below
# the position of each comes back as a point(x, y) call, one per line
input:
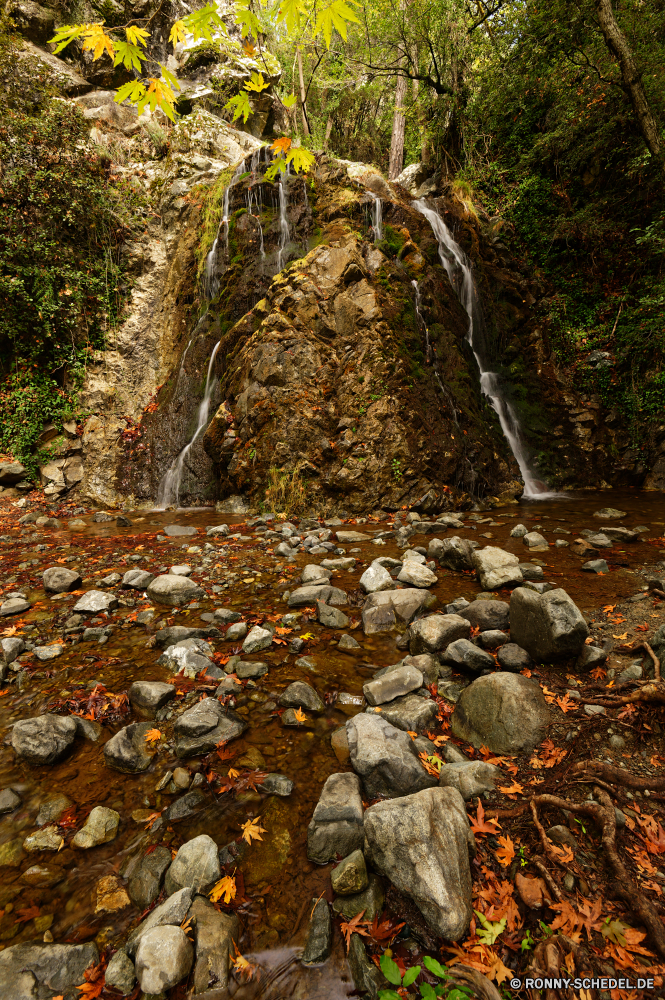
point(283, 221)
point(429, 355)
point(459, 272)
point(377, 216)
point(210, 280)
point(169, 488)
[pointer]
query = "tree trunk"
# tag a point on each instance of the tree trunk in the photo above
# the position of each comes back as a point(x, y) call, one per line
point(618, 45)
point(399, 126)
point(303, 111)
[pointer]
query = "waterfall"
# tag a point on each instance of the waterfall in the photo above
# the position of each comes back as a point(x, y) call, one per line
point(283, 221)
point(429, 357)
point(377, 216)
point(210, 280)
point(459, 272)
point(169, 488)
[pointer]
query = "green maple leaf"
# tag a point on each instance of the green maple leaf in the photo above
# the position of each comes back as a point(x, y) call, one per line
point(335, 15)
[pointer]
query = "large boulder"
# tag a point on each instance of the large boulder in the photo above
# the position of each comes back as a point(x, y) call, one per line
point(454, 553)
point(496, 567)
point(434, 633)
point(393, 684)
point(195, 866)
point(382, 611)
point(128, 751)
point(164, 957)
point(422, 843)
point(385, 758)
point(173, 590)
point(549, 626)
point(503, 711)
point(337, 823)
point(376, 578)
point(59, 580)
point(45, 739)
point(202, 727)
point(172, 911)
point(487, 615)
point(215, 935)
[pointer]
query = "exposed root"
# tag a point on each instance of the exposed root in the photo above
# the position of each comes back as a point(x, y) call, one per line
point(592, 770)
point(624, 888)
point(552, 959)
point(539, 864)
point(482, 988)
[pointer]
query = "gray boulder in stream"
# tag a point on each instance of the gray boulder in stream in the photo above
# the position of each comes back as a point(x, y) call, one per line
point(337, 824)
point(44, 740)
point(34, 970)
point(195, 866)
point(503, 711)
point(422, 844)
point(173, 590)
point(385, 758)
point(549, 626)
point(128, 751)
point(202, 727)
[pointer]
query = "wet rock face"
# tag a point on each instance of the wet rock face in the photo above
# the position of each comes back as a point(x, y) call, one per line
point(32, 970)
point(549, 626)
point(385, 758)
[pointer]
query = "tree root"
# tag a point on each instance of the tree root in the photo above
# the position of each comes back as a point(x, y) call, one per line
point(602, 811)
point(592, 770)
point(482, 988)
point(549, 961)
point(539, 865)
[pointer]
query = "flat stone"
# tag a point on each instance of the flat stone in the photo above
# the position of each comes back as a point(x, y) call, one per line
point(343, 562)
point(111, 895)
point(492, 639)
point(369, 902)
point(350, 875)
point(348, 642)
point(216, 934)
point(95, 601)
point(313, 573)
point(164, 956)
point(171, 912)
point(46, 653)
point(52, 808)
point(318, 945)
point(470, 778)
point(128, 751)
point(178, 530)
point(595, 566)
point(120, 974)
point(413, 714)
point(9, 800)
point(173, 591)
point(301, 695)
point(336, 826)
point(532, 572)
point(415, 575)
point(145, 883)
point(33, 970)
point(45, 739)
point(503, 711)
point(10, 648)
point(277, 784)
point(549, 626)
point(513, 658)
point(375, 579)
point(59, 580)
point(436, 632)
point(225, 616)
point(607, 513)
point(496, 567)
point(310, 595)
point(251, 670)
point(150, 695)
point(185, 806)
point(422, 843)
point(535, 541)
point(464, 655)
point(14, 606)
point(111, 580)
point(137, 579)
point(345, 537)
point(100, 827)
point(48, 838)
point(385, 758)
point(195, 866)
point(392, 685)
point(257, 640)
point(182, 569)
point(487, 615)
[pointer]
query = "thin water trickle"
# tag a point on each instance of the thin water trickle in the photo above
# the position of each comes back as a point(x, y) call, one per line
point(377, 216)
point(429, 355)
point(210, 279)
point(169, 488)
point(459, 272)
point(283, 221)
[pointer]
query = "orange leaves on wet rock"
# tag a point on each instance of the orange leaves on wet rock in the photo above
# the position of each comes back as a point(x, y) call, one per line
point(354, 926)
point(225, 889)
point(153, 735)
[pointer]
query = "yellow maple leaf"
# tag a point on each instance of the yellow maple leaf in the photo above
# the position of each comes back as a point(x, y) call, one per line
point(178, 33)
point(308, 635)
point(252, 831)
point(153, 735)
point(299, 715)
point(624, 636)
point(226, 887)
point(97, 40)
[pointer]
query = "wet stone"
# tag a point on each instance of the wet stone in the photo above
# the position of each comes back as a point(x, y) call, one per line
point(145, 884)
point(336, 826)
point(11, 853)
point(185, 806)
point(257, 639)
point(33, 969)
point(150, 695)
point(195, 866)
point(164, 957)
point(277, 784)
point(14, 606)
point(225, 616)
point(111, 895)
point(412, 714)
point(370, 901)
point(127, 751)
point(178, 530)
point(9, 801)
point(46, 653)
point(44, 740)
point(470, 778)
point(318, 945)
point(173, 591)
point(203, 726)
point(100, 827)
point(47, 839)
point(301, 695)
point(487, 615)
point(52, 808)
point(492, 639)
point(330, 617)
point(251, 670)
point(463, 655)
point(215, 936)
point(137, 579)
point(595, 566)
point(59, 580)
point(513, 658)
point(172, 911)
point(435, 633)
point(11, 648)
point(350, 875)
point(120, 973)
point(393, 685)
point(236, 631)
point(385, 757)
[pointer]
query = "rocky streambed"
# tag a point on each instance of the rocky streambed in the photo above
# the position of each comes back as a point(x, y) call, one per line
point(228, 745)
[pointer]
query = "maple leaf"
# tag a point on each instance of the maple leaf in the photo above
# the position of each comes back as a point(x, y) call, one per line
point(299, 715)
point(152, 736)
point(609, 608)
point(566, 704)
point(383, 931)
point(252, 830)
point(567, 920)
point(598, 673)
point(590, 915)
point(354, 926)
point(226, 887)
point(624, 636)
point(248, 48)
point(28, 913)
point(478, 824)
point(564, 855)
point(512, 790)
point(490, 930)
point(308, 635)
point(241, 966)
point(431, 763)
point(506, 851)
point(281, 145)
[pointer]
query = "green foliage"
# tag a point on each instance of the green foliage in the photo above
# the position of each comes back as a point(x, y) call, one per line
point(444, 989)
point(28, 400)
